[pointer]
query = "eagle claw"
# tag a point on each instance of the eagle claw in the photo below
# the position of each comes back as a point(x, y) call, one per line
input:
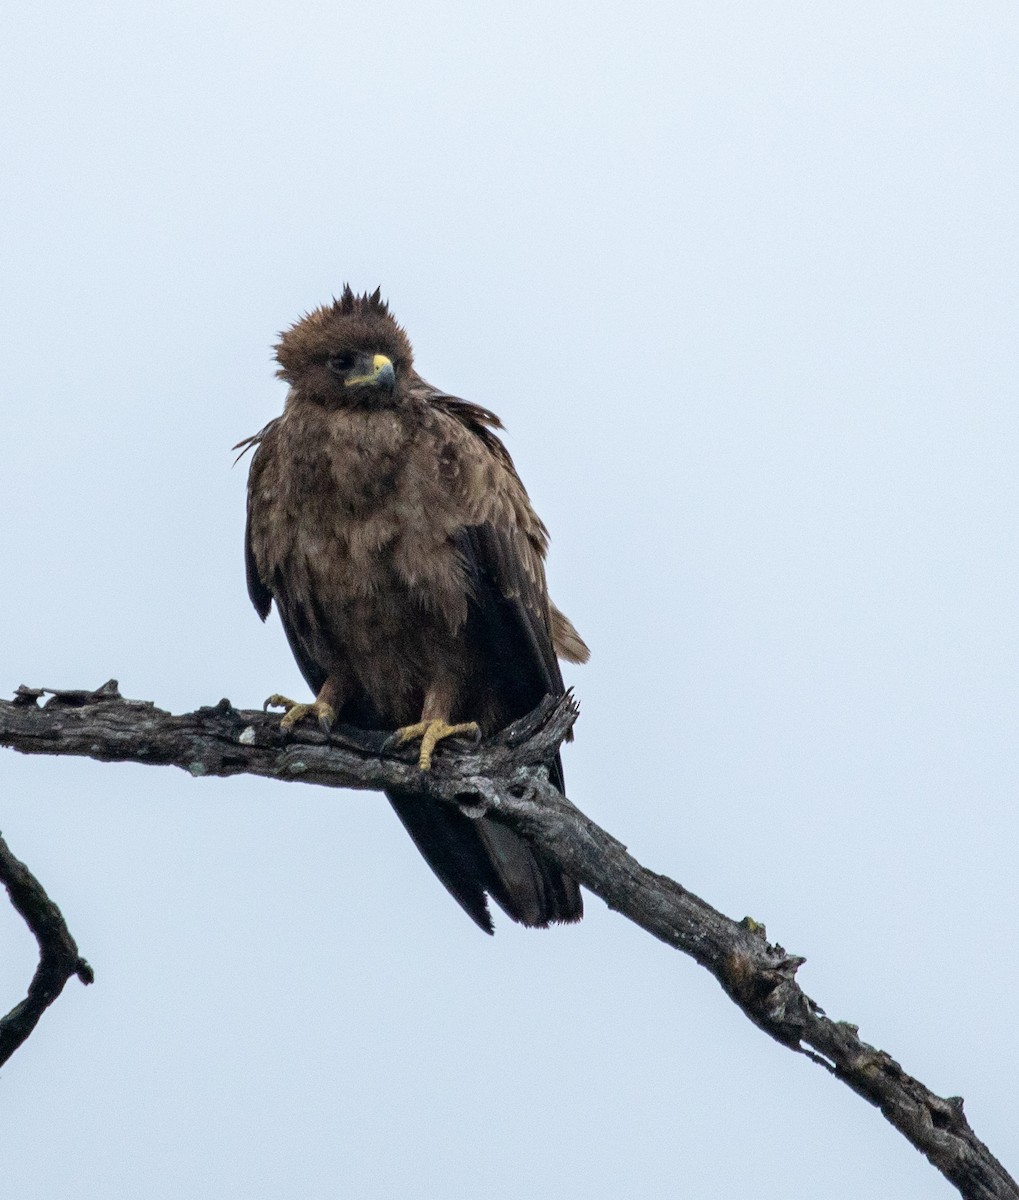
point(431, 733)
point(325, 713)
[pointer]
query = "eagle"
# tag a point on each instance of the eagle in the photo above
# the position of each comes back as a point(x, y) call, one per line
point(386, 520)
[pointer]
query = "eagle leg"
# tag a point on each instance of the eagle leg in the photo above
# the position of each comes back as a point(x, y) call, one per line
point(323, 707)
point(431, 733)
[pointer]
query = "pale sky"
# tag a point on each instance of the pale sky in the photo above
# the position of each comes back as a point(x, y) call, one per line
point(741, 281)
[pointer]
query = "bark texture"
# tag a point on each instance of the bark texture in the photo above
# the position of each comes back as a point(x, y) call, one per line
point(507, 774)
point(58, 955)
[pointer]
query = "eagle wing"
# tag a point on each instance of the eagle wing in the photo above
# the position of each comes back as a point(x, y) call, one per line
point(502, 544)
point(260, 595)
point(293, 616)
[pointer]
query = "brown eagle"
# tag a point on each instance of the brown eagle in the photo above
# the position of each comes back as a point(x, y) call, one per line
point(388, 523)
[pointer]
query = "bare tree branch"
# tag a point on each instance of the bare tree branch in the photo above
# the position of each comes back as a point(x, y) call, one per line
point(58, 955)
point(507, 775)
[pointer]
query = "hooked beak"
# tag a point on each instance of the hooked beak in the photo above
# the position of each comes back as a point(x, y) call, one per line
point(379, 373)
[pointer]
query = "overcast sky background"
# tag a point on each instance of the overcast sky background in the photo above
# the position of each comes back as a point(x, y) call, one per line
point(741, 280)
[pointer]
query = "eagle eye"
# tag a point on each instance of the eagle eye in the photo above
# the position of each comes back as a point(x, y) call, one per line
point(342, 362)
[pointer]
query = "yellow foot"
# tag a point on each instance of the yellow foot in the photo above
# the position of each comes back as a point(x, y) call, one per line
point(325, 713)
point(431, 733)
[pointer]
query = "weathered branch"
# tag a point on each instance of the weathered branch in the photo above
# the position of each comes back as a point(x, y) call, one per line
point(58, 955)
point(507, 775)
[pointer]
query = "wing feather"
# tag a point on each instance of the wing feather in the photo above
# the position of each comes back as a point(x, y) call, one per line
point(258, 589)
point(505, 541)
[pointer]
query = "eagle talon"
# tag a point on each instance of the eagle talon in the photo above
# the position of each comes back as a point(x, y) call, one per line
point(325, 713)
point(431, 733)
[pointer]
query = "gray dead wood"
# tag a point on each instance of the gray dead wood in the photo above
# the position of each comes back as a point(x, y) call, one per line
point(507, 775)
point(58, 955)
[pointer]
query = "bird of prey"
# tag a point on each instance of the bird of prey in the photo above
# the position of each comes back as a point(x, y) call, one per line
point(387, 522)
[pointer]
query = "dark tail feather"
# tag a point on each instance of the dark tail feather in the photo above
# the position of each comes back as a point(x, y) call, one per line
point(452, 849)
point(534, 891)
point(472, 857)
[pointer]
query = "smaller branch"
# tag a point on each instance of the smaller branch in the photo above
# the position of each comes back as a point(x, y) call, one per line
point(58, 955)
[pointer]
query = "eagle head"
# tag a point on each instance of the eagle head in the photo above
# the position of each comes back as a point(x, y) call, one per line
point(348, 353)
